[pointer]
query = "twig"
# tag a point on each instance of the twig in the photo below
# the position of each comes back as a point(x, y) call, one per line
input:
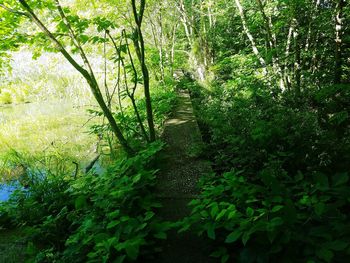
point(76, 170)
point(14, 11)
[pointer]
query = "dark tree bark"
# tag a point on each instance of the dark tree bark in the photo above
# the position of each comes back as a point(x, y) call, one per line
point(140, 50)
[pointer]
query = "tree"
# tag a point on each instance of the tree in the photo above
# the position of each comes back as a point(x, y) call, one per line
point(71, 35)
point(338, 40)
point(140, 51)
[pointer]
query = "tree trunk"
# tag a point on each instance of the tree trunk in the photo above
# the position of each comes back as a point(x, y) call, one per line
point(89, 77)
point(140, 50)
point(297, 73)
point(272, 45)
point(250, 37)
point(338, 42)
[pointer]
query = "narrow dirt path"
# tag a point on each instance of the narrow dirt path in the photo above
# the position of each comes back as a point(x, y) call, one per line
point(177, 183)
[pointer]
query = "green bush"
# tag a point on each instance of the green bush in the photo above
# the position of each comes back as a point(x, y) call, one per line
point(280, 187)
point(94, 218)
point(275, 218)
point(164, 99)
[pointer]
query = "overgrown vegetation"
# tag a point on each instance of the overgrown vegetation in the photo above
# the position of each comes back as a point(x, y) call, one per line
point(280, 188)
point(269, 81)
point(92, 218)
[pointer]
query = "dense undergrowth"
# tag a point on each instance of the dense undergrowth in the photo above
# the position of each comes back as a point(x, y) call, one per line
point(93, 218)
point(274, 114)
point(70, 216)
point(280, 187)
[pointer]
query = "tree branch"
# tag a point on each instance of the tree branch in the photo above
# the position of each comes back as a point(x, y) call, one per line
point(14, 11)
point(58, 44)
point(76, 42)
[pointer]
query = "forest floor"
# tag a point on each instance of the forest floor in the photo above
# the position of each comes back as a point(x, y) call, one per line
point(177, 183)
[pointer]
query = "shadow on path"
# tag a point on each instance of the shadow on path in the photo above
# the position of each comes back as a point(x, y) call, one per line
point(177, 184)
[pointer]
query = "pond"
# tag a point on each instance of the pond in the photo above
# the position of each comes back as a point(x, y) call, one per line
point(6, 190)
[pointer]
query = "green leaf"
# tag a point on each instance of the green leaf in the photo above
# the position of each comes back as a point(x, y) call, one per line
point(216, 254)
point(160, 235)
point(219, 252)
point(233, 236)
point(124, 218)
point(84, 38)
point(299, 177)
point(136, 178)
point(113, 224)
point(340, 179)
point(277, 208)
point(231, 214)
point(221, 214)
point(277, 221)
point(247, 256)
point(148, 215)
point(120, 259)
point(132, 251)
point(320, 208)
point(214, 209)
point(194, 202)
point(245, 237)
point(325, 254)
point(337, 245)
point(250, 211)
point(321, 181)
point(101, 237)
point(211, 231)
point(225, 258)
point(80, 202)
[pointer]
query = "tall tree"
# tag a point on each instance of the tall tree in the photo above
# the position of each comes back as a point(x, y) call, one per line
point(139, 44)
point(87, 71)
point(250, 37)
point(338, 40)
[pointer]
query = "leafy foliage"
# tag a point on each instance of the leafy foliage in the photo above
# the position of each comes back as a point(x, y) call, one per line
point(274, 114)
point(280, 190)
point(94, 218)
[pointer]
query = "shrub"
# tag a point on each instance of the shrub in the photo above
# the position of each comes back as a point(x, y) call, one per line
point(276, 218)
point(93, 218)
point(280, 187)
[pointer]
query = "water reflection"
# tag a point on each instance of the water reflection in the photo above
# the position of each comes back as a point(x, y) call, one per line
point(6, 190)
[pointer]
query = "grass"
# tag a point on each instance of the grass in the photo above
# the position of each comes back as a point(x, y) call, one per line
point(42, 130)
point(43, 117)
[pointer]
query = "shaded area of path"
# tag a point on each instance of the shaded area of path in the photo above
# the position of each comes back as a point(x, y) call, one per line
point(177, 183)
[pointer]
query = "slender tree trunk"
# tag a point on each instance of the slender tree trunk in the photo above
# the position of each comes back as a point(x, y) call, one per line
point(185, 22)
point(250, 37)
point(89, 77)
point(287, 51)
point(131, 95)
point(271, 41)
point(161, 40)
point(338, 41)
point(297, 73)
point(172, 54)
point(156, 43)
point(140, 50)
